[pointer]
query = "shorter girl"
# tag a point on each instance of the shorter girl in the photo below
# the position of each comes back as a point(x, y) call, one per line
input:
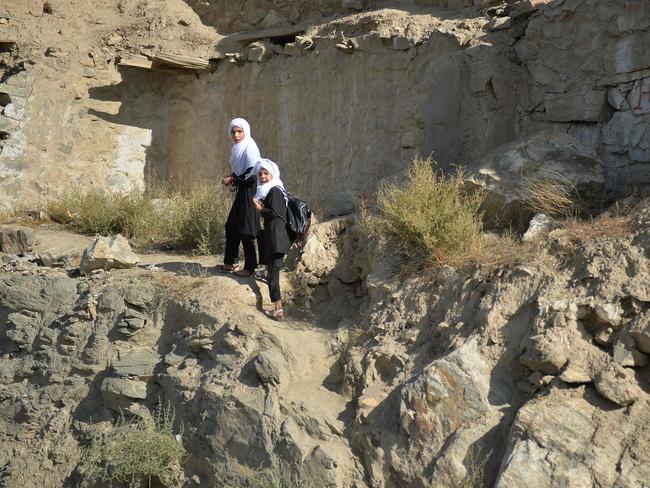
point(271, 202)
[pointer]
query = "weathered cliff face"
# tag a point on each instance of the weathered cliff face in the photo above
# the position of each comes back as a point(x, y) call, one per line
point(589, 66)
point(342, 106)
point(340, 122)
point(68, 117)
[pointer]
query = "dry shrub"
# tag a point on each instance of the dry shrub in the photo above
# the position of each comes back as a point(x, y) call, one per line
point(98, 212)
point(191, 219)
point(554, 195)
point(137, 451)
point(201, 215)
point(495, 250)
point(574, 232)
point(431, 217)
point(233, 474)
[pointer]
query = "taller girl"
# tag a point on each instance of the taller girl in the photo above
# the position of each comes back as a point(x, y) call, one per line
point(243, 222)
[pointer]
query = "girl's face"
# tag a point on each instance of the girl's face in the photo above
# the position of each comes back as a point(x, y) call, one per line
point(237, 134)
point(264, 176)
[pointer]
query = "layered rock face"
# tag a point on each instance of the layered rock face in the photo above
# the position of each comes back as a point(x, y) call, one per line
point(589, 65)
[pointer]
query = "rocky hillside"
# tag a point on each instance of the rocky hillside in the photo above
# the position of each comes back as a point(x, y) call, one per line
point(521, 375)
point(531, 372)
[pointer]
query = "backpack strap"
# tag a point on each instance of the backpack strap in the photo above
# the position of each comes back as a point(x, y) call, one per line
point(286, 198)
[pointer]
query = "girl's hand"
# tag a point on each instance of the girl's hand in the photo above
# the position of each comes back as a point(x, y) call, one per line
point(226, 180)
point(258, 204)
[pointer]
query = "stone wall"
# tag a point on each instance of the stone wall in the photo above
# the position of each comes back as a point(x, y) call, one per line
point(589, 65)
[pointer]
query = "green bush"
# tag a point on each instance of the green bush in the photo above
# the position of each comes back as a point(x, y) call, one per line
point(193, 219)
point(431, 216)
point(136, 451)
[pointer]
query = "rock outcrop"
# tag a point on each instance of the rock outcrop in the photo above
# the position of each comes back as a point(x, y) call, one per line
point(511, 173)
point(107, 253)
point(16, 239)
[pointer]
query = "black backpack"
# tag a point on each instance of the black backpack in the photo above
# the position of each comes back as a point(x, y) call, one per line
point(298, 219)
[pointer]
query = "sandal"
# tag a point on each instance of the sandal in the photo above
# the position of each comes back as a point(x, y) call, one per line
point(243, 273)
point(277, 315)
point(261, 275)
point(227, 268)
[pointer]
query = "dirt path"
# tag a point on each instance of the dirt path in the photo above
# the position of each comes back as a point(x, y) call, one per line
point(310, 351)
point(307, 346)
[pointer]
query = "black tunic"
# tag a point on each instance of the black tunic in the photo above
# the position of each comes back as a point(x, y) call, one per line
point(276, 238)
point(243, 216)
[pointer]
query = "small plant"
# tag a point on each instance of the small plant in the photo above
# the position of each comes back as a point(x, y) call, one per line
point(137, 451)
point(264, 478)
point(474, 469)
point(430, 216)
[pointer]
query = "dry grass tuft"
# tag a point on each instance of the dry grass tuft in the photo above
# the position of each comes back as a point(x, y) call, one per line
point(553, 195)
point(574, 232)
point(193, 219)
point(496, 250)
point(178, 286)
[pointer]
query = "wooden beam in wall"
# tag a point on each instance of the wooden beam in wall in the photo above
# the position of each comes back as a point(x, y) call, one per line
point(183, 62)
point(274, 32)
point(165, 62)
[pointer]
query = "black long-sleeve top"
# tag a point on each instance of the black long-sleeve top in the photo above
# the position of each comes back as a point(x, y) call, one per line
point(274, 213)
point(243, 216)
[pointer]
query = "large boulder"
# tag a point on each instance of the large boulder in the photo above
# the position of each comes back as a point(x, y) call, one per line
point(107, 253)
point(571, 438)
point(508, 173)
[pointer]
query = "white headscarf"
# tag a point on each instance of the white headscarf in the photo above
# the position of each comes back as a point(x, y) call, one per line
point(244, 154)
point(274, 171)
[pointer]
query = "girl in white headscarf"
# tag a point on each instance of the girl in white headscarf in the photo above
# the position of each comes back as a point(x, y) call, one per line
point(243, 224)
point(271, 202)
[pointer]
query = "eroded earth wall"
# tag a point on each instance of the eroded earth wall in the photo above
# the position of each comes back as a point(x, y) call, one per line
point(339, 122)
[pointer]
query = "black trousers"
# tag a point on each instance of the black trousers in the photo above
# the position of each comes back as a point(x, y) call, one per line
point(273, 265)
point(231, 255)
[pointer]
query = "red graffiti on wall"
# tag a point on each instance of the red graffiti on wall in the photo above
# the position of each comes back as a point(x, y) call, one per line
point(641, 94)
